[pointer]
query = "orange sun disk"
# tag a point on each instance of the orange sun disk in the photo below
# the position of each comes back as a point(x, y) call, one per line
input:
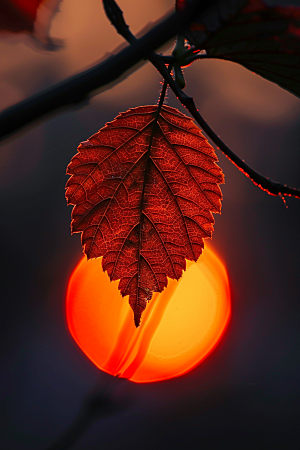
point(179, 327)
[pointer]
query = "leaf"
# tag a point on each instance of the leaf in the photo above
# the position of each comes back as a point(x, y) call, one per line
point(264, 39)
point(144, 189)
point(33, 16)
point(18, 15)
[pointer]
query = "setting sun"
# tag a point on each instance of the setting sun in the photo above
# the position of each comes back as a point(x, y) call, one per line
point(179, 327)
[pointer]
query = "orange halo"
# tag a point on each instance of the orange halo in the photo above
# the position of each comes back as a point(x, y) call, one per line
point(179, 327)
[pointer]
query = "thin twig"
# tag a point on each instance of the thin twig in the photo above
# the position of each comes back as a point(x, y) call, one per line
point(271, 187)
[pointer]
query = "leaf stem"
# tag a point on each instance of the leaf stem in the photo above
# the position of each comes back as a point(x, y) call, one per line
point(163, 91)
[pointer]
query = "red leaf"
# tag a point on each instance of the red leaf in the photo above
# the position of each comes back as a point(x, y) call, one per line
point(33, 16)
point(18, 15)
point(144, 192)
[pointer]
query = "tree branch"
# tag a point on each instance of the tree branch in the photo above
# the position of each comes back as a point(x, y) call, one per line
point(79, 87)
point(271, 187)
point(97, 404)
point(93, 408)
point(267, 185)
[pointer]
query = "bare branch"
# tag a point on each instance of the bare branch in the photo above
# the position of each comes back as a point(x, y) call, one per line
point(77, 88)
point(267, 185)
point(271, 187)
point(99, 403)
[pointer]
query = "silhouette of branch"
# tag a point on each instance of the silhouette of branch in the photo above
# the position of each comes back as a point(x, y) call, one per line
point(92, 409)
point(76, 89)
point(115, 15)
point(96, 405)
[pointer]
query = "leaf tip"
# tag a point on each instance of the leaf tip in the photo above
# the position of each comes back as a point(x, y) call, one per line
point(137, 319)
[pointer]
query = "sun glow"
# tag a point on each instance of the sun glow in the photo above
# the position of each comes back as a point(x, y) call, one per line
point(179, 327)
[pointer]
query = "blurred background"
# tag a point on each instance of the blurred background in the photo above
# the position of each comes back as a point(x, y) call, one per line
point(246, 394)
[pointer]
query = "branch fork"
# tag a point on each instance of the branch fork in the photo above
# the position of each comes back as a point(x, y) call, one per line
point(115, 15)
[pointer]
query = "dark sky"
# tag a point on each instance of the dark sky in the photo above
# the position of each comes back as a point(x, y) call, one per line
point(246, 394)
